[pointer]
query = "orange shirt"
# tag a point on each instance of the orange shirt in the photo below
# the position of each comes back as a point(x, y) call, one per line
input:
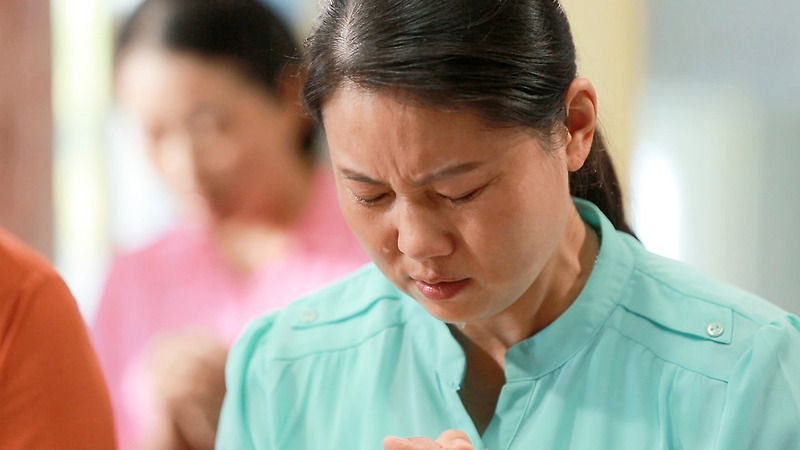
point(52, 394)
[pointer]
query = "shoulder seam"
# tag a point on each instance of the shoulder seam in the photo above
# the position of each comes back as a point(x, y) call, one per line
point(676, 290)
point(661, 358)
point(289, 359)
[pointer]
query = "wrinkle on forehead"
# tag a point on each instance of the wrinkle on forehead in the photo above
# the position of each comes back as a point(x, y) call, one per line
point(384, 131)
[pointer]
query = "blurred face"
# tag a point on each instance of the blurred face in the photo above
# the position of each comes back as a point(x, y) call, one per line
point(461, 216)
point(221, 143)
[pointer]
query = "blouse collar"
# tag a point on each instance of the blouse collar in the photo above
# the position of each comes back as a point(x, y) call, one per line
point(554, 345)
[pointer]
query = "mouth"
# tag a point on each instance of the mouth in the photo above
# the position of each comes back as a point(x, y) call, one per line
point(439, 289)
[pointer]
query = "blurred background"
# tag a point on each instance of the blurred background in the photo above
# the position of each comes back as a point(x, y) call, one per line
point(700, 100)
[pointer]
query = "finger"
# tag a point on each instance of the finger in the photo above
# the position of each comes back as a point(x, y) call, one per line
point(455, 440)
point(395, 443)
point(195, 426)
point(413, 443)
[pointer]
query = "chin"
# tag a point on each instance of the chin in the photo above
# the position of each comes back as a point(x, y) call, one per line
point(451, 314)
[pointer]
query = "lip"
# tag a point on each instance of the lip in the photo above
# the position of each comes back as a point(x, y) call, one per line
point(440, 289)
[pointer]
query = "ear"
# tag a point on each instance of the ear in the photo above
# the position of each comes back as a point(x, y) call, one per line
point(581, 104)
point(288, 92)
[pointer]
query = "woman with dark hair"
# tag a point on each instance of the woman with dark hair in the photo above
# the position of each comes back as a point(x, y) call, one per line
point(214, 85)
point(509, 306)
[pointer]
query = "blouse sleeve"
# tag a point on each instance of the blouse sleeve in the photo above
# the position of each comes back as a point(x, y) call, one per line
point(244, 380)
point(53, 394)
point(762, 408)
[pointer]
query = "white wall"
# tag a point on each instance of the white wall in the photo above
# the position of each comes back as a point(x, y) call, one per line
point(720, 117)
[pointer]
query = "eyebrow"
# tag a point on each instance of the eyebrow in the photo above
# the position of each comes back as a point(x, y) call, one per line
point(439, 175)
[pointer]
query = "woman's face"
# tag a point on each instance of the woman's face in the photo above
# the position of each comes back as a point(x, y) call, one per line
point(221, 143)
point(459, 215)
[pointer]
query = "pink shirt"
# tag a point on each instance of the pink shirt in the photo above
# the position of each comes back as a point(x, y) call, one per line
point(181, 282)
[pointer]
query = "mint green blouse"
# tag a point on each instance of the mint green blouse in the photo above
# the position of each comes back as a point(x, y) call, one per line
point(651, 355)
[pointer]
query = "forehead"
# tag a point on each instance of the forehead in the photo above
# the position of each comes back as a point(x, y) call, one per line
point(366, 126)
point(151, 79)
point(400, 103)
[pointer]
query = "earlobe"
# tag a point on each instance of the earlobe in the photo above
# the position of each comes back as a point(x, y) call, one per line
point(581, 104)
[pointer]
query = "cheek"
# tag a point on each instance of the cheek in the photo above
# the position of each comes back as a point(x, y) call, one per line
point(364, 227)
point(494, 237)
point(220, 159)
point(175, 163)
point(240, 155)
point(372, 230)
point(272, 130)
point(519, 230)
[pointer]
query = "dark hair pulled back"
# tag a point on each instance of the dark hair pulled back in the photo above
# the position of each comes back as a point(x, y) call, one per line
point(244, 33)
point(508, 61)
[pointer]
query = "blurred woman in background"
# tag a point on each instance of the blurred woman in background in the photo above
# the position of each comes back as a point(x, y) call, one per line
point(213, 84)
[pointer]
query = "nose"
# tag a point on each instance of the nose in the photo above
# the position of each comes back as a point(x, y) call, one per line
point(421, 234)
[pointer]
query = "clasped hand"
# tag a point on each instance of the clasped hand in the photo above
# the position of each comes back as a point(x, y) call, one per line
point(449, 440)
point(188, 384)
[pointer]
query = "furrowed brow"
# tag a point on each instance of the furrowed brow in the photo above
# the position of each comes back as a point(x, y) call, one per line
point(448, 172)
point(357, 176)
point(439, 175)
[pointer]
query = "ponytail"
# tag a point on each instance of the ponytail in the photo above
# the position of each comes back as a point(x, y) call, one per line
point(597, 182)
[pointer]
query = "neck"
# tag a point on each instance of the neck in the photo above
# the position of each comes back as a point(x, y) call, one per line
point(289, 193)
point(485, 343)
point(247, 246)
point(255, 236)
point(555, 289)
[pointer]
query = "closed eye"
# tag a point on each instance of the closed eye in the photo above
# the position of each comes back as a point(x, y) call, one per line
point(464, 198)
point(367, 201)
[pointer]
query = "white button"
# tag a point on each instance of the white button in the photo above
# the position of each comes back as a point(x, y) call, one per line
point(308, 315)
point(715, 329)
